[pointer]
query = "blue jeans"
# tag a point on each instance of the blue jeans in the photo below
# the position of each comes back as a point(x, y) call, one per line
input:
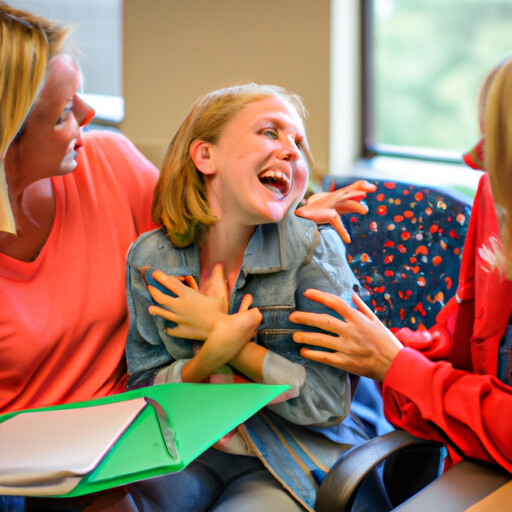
point(199, 486)
point(12, 504)
point(202, 484)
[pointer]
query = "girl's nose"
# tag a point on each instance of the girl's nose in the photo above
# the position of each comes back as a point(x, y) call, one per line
point(289, 150)
point(82, 111)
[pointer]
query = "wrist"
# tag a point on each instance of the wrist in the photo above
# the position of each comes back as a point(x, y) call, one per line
point(200, 366)
point(249, 361)
point(389, 358)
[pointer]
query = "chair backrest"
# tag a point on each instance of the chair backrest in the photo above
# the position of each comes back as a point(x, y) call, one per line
point(406, 250)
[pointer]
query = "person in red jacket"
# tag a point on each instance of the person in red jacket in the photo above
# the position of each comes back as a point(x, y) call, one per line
point(465, 397)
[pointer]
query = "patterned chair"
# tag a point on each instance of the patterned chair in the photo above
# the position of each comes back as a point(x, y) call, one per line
point(406, 251)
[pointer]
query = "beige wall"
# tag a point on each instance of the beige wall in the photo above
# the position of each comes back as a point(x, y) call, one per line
point(176, 50)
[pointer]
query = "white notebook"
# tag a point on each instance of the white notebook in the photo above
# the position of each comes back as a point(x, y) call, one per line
point(56, 448)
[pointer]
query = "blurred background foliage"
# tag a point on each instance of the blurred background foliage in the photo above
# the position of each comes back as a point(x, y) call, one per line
point(429, 59)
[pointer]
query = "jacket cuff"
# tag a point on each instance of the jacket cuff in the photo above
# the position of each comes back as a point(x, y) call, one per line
point(171, 373)
point(279, 370)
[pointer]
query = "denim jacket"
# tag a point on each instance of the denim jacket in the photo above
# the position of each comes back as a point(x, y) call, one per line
point(280, 262)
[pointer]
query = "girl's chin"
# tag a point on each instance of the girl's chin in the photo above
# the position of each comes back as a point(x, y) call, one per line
point(276, 211)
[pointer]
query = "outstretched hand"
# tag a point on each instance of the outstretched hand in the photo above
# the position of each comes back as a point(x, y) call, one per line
point(360, 344)
point(326, 207)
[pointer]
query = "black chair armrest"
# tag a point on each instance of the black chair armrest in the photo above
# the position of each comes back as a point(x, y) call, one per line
point(339, 487)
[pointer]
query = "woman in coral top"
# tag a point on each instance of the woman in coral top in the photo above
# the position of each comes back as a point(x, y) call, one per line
point(78, 202)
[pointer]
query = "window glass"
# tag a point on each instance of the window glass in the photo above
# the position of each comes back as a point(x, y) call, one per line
point(97, 36)
point(426, 61)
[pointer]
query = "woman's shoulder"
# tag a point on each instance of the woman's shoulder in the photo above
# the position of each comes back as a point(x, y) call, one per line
point(115, 150)
point(105, 137)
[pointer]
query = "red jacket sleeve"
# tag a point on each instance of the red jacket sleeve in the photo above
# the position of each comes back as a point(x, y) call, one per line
point(471, 413)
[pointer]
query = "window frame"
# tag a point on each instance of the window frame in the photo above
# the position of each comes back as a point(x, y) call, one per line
point(351, 153)
point(370, 148)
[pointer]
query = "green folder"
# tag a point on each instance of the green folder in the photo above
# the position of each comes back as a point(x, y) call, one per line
point(179, 423)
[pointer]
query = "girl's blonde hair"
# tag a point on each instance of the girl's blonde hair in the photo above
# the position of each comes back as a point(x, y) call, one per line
point(498, 157)
point(180, 202)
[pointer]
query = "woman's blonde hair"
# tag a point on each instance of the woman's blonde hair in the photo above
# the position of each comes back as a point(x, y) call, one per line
point(180, 202)
point(498, 157)
point(27, 42)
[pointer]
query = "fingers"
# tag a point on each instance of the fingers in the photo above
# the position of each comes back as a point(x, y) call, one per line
point(362, 307)
point(174, 284)
point(351, 206)
point(336, 198)
point(317, 196)
point(246, 302)
point(321, 356)
point(185, 332)
point(217, 274)
point(190, 282)
point(327, 322)
point(336, 223)
point(342, 195)
point(340, 306)
point(327, 215)
point(322, 321)
point(164, 313)
point(331, 301)
point(216, 285)
point(357, 189)
point(319, 215)
point(363, 185)
point(254, 318)
point(317, 339)
point(164, 298)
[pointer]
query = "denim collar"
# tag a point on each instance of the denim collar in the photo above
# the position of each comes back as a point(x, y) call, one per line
point(263, 255)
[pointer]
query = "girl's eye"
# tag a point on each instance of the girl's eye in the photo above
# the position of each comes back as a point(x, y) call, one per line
point(270, 133)
point(65, 114)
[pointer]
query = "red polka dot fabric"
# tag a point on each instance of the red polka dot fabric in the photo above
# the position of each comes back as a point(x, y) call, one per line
point(406, 250)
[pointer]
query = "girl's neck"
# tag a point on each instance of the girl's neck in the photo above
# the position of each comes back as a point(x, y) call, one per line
point(226, 245)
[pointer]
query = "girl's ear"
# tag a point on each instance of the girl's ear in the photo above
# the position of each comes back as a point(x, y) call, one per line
point(201, 153)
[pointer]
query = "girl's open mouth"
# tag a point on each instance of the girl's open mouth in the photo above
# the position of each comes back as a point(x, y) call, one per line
point(275, 181)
